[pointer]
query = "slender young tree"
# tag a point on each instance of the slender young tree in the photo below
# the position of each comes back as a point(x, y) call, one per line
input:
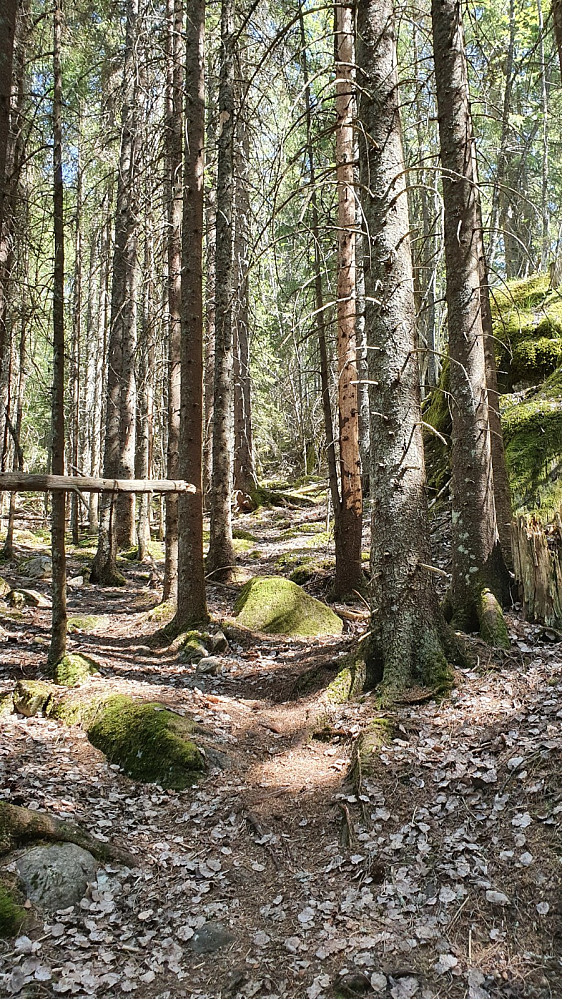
point(174, 120)
point(480, 578)
point(120, 408)
point(191, 602)
point(7, 38)
point(59, 620)
point(349, 520)
point(408, 633)
point(220, 559)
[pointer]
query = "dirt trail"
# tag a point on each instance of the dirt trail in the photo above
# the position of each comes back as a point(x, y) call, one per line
point(437, 875)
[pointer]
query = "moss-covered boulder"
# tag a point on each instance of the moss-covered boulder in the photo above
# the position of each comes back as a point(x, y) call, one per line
point(73, 669)
point(528, 329)
point(195, 645)
point(12, 914)
point(6, 704)
point(148, 741)
point(532, 426)
point(4, 588)
point(276, 605)
point(86, 622)
point(32, 697)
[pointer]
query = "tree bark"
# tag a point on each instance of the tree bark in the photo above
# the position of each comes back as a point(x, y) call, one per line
point(243, 466)
point(407, 630)
point(349, 523)
point(174, 125)
point(557, 18)
point(479, 570)
point(119, 419)
point(7, 39)
point(76, 348)
point(191, 602)
point(59, 618)
point(220, 560)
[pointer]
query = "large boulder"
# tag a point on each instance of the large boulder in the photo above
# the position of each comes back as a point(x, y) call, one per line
point(56, 876)
point(277, 606)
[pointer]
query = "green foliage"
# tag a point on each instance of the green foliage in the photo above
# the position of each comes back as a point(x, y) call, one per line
point(532, 428)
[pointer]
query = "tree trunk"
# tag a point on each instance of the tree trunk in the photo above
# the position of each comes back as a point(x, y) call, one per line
point(191, 603)
point(320, 316)
point(145, 395)
point(479, 573)
point(59, 620)
point(557, 18)
point(76, 347)
point(119, 419)
point(349, 523)
point(407, 630)
point(244, 475)
point(7, 39)
point(220, 560)
point(18, 463)
point(174, 213)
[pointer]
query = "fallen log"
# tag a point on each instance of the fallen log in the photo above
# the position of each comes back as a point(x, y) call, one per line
point(19, 826)
point(27, 482)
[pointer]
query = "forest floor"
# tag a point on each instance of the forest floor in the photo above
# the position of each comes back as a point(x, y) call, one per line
point(437, 875)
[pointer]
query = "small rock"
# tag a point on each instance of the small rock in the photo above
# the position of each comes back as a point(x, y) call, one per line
point(209, 664)
point(40, 567)
point(19, 598)
point(210, 937)
point(4, 587)
point(75, 581)
point(56, 876)
point(218, 642)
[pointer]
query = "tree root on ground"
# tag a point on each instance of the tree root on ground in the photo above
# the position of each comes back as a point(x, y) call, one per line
point(19, 826)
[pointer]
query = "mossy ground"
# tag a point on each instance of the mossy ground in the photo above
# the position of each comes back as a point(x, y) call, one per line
point(149, 742)
point(276, 605)
point(532, 428)
point(528, 329)
point(12, 914)
point(87, 622)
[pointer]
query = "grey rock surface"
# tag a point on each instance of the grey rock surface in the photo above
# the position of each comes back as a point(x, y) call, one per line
point(210, 937)
point(56, 876)
point(209, 664)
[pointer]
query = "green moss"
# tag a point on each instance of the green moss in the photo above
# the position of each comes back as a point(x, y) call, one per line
point(32, 696)
point(493, 628)
point(379, 733)
point(532, 429)
point(76, 710)
point(12, 915)
point(239, 535)
point(162, 612)
point(73, 669)
point(6, 705)
point(528, 328)
point(149, 742)
point(432, 665)
point(278, 606)
point(350, 680)
point(194, 646)
point(86, 622)
point(242, 545)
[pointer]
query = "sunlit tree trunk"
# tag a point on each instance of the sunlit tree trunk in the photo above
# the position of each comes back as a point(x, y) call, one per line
point(119, 419)
point(76, 351)
point(220, 560)
point(349, 522)
point(480, 578)
point(191, 602)
point(174, 120)
point(59, 619)
point(7, 39)
point(407, 631)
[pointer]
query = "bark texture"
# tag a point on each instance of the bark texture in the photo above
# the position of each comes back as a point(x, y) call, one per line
point(7, 38)
point(220, 559)
point(477, 560)
point(349, 522)
point(191, 600)
point(119, 451)
point(59, 618)
point(408, 631)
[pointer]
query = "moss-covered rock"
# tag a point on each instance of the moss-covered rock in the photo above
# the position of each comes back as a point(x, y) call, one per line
point(532, 427)
point(378, 734)
point(195, 645)
point(528, 329)
point(73, 669)
point(86, 622)
point(12, 914)
point(6, 705)
point(149, 742)
point(4, 588)
point(32, 697)
point(276, 605)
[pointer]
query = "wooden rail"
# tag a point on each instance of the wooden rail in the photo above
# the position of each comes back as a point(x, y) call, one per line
point(22, 482)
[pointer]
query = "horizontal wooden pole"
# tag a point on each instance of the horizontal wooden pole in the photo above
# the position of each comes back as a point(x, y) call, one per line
point(22, 482)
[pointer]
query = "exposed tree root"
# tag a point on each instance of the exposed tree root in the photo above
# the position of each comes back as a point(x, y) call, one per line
point(19, 826)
